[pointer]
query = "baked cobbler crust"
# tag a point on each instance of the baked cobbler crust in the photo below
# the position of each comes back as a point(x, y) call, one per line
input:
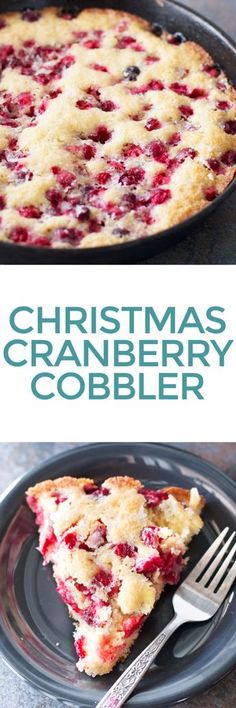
point(113, 549)
point(108, 132)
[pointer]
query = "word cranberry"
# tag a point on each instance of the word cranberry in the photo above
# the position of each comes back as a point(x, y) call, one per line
point(156, 29)
point(152, 124)
point(124, 549)
point(30, 212)
point(30, 15)
point(131, 73)
point(230, 127)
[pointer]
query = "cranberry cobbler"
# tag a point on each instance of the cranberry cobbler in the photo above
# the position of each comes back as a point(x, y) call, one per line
point(110, 128)
point(113, 549)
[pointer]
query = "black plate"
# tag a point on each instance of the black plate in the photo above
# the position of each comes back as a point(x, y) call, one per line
point(174, 17)
point(35, 631)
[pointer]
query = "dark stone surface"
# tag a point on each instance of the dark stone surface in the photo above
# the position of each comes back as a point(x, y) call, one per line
point(214, 241)
point(18, 458)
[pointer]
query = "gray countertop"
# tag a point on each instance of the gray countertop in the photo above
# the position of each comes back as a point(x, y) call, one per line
point(18, 458)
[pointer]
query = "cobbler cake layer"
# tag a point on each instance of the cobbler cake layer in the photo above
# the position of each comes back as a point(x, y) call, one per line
point(110, 129)
point(113, 549)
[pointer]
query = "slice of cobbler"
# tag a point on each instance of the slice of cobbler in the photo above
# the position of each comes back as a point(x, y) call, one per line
point(113, 549)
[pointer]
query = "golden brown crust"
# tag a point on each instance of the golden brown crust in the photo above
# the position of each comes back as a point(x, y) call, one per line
point(50, 484)
point(183, 495)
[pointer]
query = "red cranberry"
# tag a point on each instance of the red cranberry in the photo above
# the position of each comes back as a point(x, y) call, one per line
point(198, 93)
point(48, 542)
point(174, 139)
point(212, 69)
point(64, 177)
point(125, 41)
point(150, 536)
point(80, 644)
point(72, 236)
point(148, 565)
point(99, 67)
point(67, 596)
point(229, 158)
point(152, 124)
point(132, 176)
point(108, 106)
point(96, 491)
point(70, 539)
point(89, 151)
point(132, 150)
point(153, 497)
point(215, 165)
point(181, 89)
point(42, 242)
point(103, 177)
point(183, 154)
point(2, 23)
point(160, 197)
point(223, 105)
point(158, 151)
point(30, 212)
point(98, 537)
point(160, 178)
point(30, 15)
point(101, 135)
point(103, 578)
point(19, 234)
point(2, 202)
point(186, 111)
point(83, 105)
point(54, 197)
point(210, 194)
point(230, 127)
point(124, 549)
point(132, 624)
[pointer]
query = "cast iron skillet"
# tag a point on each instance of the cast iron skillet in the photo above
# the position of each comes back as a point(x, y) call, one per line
point(174, 17)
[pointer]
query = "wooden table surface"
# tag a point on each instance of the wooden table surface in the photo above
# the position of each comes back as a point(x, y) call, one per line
point(214, 241)
point(18, 458)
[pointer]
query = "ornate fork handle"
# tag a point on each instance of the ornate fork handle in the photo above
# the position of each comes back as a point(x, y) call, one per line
point(123, 687)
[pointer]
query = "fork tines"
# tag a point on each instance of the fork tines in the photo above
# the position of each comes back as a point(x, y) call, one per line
point(216, 571)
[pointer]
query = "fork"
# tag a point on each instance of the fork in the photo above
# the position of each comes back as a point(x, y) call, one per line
point(197, 599)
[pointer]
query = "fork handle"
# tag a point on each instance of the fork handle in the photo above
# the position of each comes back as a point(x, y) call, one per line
point(124, 686)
